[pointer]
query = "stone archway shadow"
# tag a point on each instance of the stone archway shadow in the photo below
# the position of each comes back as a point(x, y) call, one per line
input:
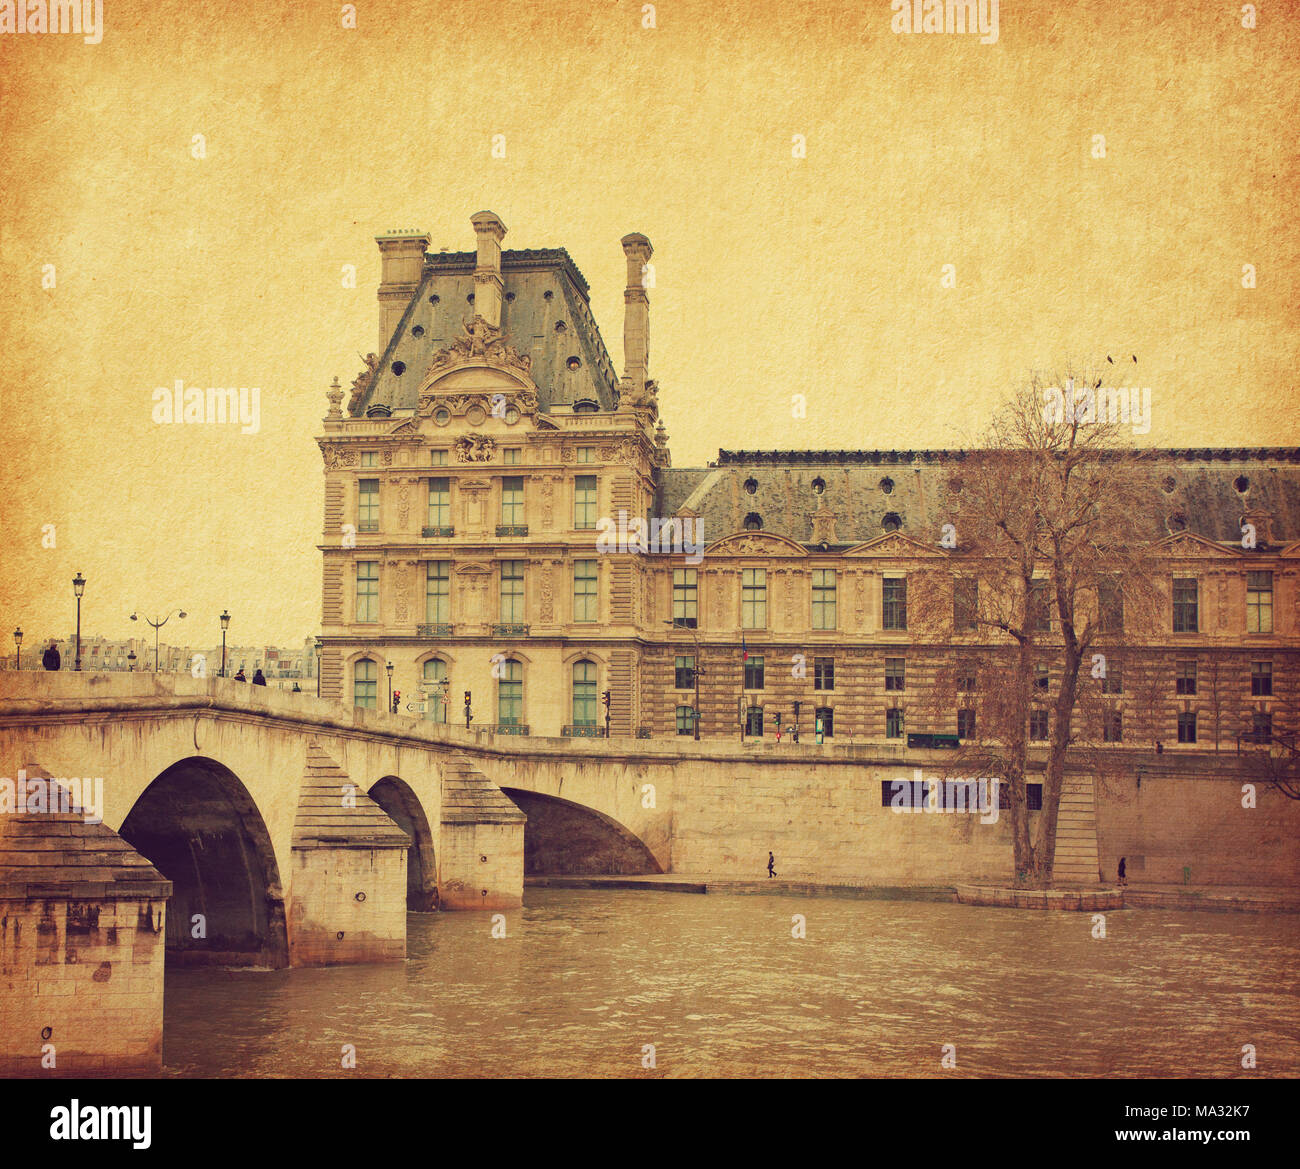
point(562, 837)
point(394, 795)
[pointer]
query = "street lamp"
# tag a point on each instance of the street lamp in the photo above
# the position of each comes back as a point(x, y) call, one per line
point(388, 669)
point(697, 672)
point(225, 624)
point(320, 645)
point(18, 645)
point(130, 661)
point(157, 625)
point(78, 587)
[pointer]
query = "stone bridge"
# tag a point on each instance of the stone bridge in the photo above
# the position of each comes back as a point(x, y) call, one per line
point(300, 830)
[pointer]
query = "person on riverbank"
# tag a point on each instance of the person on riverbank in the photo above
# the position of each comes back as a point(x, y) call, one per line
point(241, 676)
point(259, 679)
point(1123, 872)
point(50, 660)
point(771, 865)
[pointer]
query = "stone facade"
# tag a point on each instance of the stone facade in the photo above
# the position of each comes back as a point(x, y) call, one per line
point(467, 481)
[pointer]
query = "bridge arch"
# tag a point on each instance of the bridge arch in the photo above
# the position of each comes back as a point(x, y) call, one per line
point(566, 837)
point(198, 825)
point(403, 807)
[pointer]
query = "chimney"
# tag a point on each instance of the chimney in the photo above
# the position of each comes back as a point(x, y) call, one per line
point(636, 311)
point(487, 272)
point(402, 255)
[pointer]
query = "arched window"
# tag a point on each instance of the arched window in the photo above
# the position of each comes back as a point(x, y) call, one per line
point(510, 694)
point(753, 522)
point(435, 673)
point(365, 683)
point(584, 694)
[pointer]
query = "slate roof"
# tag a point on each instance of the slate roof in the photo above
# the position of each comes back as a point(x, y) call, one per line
point(529, 317)
point(1204, 492)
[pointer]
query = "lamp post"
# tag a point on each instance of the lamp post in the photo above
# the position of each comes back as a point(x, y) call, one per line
point(18, 645)
point(157, 625)
point(320, 644)
point(225, 624)
point(388, 669)
point(78, 587)
point(130, 661)
point(697, 672)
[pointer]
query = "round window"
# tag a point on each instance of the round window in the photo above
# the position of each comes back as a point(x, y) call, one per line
point(511, 415)
point(442, 416)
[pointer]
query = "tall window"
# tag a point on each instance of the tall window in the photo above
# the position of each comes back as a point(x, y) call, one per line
point(1037, 725)
point(512, 500)
point(1040, 612)
point(512, 591)
point(684, 715)
point(1259, 602)
point(370, 458)
point(826, 716)
point(895, 673)
point(585, 454)
point(894, 608)
point(753, 598)
point(435, 673)
point(1184, 605)
point(1042, 676)
point(1184, 677)
point(1110, 607)
point(823, 673)
point(823, 598)
point(894, 723)
point(586, 599)
point(437, 591)
point(965, 723)
point(754, 722)
point(584, 502)
point(1261, 726)
point(437, 458)
point(510, 694)
point(365, 683)
point(367, 505)
point(367, 590)
point(510, 456)
point(1187, 726)
point(685, 598)
point(1261, 679)
point(684, 672)
point(1112, 681)
point(584, 694)
point(439, 503)
point(967, 675)
point(753, 673)
point(965, 603)
point(1112, 726)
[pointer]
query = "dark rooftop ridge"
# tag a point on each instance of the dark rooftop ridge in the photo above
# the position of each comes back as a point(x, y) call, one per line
point(513, 260)
point(1181, 454)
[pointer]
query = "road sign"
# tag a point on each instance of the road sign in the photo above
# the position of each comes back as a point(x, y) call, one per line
point(417, 707)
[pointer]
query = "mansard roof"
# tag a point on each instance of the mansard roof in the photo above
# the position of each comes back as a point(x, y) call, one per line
point(542, 289)
point(1205, 491)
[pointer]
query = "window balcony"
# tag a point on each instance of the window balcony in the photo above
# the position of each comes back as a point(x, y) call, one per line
point(440, 629)
point(367, 525)
point(512, 529)
point(427, 532)
point(510, 729)
point(582, 731)
point(508, 629)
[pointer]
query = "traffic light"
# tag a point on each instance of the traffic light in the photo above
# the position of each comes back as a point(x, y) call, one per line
point(397, 701)
point(605, 698)
point(468, 717)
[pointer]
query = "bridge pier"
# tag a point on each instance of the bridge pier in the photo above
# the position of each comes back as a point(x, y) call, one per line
point(81, 949)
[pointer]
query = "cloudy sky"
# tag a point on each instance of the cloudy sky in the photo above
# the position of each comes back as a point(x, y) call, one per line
point(1098, 179)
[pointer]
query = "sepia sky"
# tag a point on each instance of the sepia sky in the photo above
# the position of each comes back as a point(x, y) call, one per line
point(774, 274)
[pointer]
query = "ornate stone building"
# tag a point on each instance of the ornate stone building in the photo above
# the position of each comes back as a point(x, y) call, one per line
point(479, 462)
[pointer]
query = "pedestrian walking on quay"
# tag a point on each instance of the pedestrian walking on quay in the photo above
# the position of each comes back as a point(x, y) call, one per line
point(1123, 872)
point(771, 865)
point(51, 659)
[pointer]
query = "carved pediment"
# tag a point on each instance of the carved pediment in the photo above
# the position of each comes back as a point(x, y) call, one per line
point(472, 569)
point(1189, 544)
point(408, 426)
point(1291, 551)
point(755, 544)
point(896, 545)
point(482, 344)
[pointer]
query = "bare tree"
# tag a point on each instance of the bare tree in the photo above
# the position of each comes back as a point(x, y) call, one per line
point(1045, 520)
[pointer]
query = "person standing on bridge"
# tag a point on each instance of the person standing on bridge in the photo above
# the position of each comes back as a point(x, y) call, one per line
point(51, 660)
point(241, 676)
point(771, 865)
point(259, 679)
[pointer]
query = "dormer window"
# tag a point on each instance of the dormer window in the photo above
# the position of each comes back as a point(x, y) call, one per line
point(586, 406)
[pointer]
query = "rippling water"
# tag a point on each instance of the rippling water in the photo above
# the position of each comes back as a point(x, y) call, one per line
point(717, 984)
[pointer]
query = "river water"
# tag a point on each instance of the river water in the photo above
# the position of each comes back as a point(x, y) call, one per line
point(584, 980)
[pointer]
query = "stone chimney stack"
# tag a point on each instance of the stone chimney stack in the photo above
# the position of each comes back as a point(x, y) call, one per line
point(636, 311)
point(402, 254)
point(487, 272)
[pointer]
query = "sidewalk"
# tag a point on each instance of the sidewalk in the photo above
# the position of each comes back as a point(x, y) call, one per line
point(1216, 898)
